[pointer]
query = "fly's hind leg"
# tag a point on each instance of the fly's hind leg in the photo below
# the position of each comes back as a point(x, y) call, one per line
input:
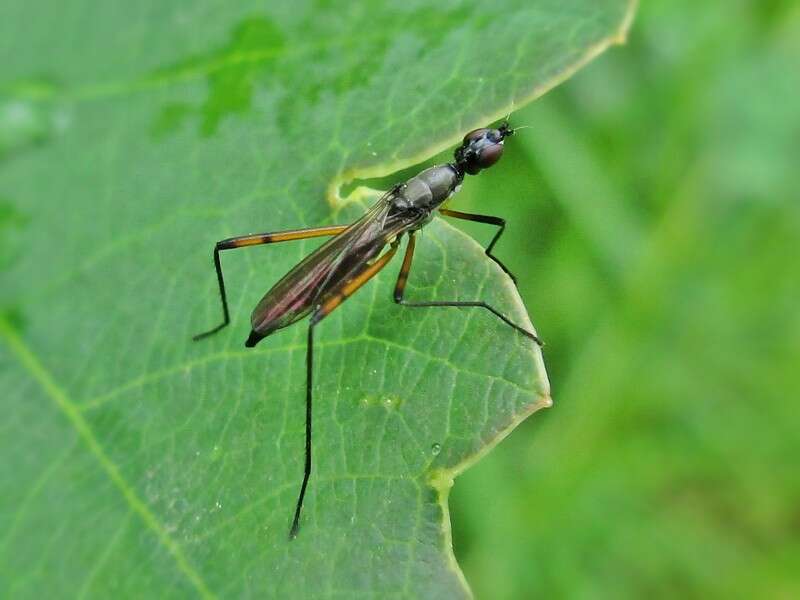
point(257, 239)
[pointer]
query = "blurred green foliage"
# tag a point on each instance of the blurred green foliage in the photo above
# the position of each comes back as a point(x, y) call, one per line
point(654, 222)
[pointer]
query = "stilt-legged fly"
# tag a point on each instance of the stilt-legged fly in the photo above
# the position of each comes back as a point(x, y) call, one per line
point(338, 268)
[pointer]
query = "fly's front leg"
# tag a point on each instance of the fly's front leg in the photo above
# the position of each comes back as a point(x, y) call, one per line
point(400, 289)
point(257, 239)
point(489, 220)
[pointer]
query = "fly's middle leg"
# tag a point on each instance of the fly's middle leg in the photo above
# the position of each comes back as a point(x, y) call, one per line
point(328, 303)
point(307, 465)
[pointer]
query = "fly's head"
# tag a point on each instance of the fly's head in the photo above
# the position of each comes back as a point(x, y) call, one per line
point(481, 148)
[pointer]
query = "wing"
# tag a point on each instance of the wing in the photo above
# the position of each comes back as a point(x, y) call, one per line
point(294, 295)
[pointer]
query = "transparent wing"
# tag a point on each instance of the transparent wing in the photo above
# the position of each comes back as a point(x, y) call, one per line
point(293, 296)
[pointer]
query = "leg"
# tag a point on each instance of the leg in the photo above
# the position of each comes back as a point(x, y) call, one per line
point(307, 468)
point(489, 220)
point(334, 299)
point(400, 289)
point(257, 240)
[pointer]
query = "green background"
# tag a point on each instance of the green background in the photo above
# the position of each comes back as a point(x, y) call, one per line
point(655, 232)
point(653, 225)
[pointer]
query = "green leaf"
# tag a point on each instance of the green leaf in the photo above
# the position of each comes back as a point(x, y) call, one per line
point(132, 137)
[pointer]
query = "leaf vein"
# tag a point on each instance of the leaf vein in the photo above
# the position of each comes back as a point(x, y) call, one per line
point(59, 397)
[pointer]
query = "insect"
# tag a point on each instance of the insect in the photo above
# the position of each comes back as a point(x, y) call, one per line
point(355, 254)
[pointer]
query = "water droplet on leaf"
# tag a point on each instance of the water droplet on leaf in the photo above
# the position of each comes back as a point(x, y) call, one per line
point(29, 117)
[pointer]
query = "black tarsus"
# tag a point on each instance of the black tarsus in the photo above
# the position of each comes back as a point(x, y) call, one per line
point(307, 470)
point(226, 318)
point(489, 220)
point(399, 298)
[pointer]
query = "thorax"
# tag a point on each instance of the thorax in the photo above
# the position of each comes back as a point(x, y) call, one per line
point(424, 192)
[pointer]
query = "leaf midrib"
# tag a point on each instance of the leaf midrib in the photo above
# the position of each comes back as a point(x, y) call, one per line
point(30, 363)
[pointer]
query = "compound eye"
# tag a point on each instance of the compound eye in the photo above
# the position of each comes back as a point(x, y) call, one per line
point(490, 155)
point(475, 134)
